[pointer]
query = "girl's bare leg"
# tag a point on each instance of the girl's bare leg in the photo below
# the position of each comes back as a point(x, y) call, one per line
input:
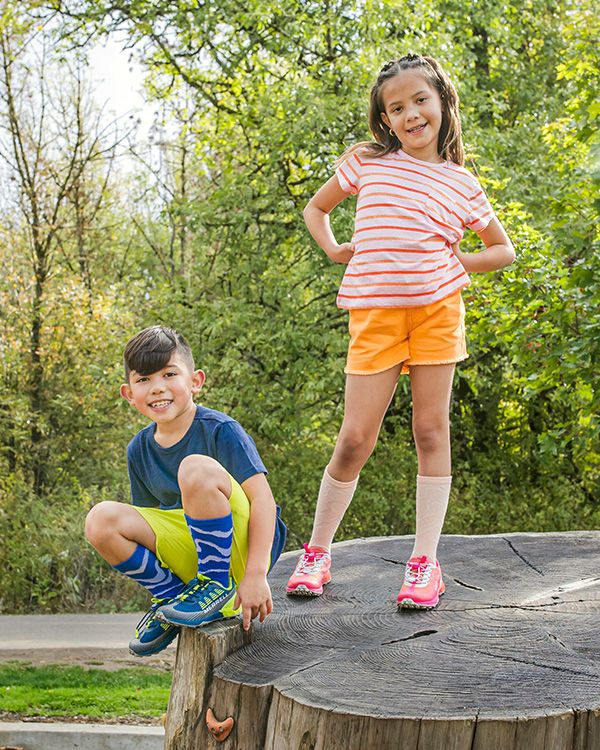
point(431, 390)
point(366, 401)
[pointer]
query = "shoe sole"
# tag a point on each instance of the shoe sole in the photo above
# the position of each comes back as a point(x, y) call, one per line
point(411, 604)
point(302, 590)
point(205, 622)
point(211, 617)
point(157, 649)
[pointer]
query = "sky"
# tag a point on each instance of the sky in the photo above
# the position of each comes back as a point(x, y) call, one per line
point(118, 83)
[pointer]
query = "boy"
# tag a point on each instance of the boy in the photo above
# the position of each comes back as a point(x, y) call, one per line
point(203, 519)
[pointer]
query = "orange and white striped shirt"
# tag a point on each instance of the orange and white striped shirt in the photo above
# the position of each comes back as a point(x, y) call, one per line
point(408, 214)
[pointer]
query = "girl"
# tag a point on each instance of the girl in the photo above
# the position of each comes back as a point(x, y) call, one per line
point(402, 287)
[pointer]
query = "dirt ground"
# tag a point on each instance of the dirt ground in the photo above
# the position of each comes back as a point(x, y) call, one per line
point(119, 720)
point(110, 659)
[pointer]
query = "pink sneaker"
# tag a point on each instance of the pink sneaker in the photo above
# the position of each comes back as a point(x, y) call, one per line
point(311, 574)
point(423, 584)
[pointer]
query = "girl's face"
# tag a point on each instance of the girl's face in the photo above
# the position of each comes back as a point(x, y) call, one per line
point(413, 110)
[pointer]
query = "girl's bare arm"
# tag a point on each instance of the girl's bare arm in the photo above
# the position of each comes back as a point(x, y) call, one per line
point(316, 216)
point(499, 251)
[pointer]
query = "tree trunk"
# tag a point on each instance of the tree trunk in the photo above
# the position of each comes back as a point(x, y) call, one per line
point(509, 660)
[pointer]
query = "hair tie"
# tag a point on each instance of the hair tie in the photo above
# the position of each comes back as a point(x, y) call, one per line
point(411, 57)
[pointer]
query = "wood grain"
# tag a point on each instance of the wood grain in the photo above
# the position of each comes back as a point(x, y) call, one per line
point(510, 659)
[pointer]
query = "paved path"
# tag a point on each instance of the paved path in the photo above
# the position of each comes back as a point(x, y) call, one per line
point(87, 639)
point(22, 632)
point(38, 736)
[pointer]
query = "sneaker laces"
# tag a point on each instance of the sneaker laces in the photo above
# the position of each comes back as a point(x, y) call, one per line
point(191, 588)
point(311, 560)
point(150, 614)
point(198, 584)
point(418, 572)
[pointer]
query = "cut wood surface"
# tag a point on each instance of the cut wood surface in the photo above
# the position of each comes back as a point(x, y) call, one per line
point(509, 659)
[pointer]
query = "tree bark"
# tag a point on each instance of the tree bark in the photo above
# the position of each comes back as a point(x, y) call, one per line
point(510, 658)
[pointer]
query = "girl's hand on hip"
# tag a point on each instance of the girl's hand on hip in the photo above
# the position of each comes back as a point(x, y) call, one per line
point(462, 257)
point(341, 253)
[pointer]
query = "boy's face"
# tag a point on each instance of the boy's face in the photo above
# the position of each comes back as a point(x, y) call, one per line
point(166, 394)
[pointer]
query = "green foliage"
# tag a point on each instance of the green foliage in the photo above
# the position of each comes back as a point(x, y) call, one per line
point(257, 101)
point(48, 565)
point(75, 691)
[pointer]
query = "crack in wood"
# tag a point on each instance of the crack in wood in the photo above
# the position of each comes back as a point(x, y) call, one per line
point(565, 588)
point(485, 607)
point(310, 666)
point(387, 559)
point(570, 650)
point(560, 643)
point(474, 737)
point(533, 608)
point(324, 646)
point(522, 557)
point(418, 634)
point(562, 670)
point(467, 585)
point(419, 733)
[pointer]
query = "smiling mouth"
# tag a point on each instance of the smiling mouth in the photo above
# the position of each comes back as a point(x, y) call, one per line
point(160, 404)
point(417, 129)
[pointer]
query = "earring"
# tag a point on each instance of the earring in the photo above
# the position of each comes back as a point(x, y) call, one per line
point(392, 133)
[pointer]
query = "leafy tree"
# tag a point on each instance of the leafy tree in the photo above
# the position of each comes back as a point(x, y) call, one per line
point(258, 99)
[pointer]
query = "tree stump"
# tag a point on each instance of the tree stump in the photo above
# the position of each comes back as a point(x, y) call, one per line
point(509, 660)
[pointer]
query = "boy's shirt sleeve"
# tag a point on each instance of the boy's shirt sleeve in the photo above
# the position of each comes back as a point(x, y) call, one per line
point(479, 208)
point(237, 453)
point(140, 495)
point(348, 174)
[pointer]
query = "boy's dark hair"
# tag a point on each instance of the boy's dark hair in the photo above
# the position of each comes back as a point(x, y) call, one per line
point(150, 350)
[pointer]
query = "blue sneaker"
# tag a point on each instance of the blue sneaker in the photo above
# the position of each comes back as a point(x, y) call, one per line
point(201, 602)
point(152, 634)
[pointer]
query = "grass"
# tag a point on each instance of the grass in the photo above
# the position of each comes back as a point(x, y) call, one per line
point(75, 691)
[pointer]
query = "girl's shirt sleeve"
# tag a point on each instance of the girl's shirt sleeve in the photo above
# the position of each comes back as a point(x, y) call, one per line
point(480, 210)
point(348, 174)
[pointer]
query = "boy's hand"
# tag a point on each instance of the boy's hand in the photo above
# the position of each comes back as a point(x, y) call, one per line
point(254, 595)
point(342, 253)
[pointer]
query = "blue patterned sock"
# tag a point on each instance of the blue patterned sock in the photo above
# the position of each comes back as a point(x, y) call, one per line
point(145, 568)
point(212, 538)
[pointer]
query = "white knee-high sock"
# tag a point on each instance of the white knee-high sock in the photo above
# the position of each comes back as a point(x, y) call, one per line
point(332, 502)
point(432, 502)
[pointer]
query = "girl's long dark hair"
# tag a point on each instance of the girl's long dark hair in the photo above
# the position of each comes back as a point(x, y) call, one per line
point(450, 146)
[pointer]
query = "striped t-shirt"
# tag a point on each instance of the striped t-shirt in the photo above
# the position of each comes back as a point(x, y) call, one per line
point(408, 213)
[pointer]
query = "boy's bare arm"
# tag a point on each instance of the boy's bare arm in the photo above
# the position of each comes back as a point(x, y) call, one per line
point(254, 593)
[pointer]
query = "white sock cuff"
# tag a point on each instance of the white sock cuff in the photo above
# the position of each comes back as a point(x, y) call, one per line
point(440, 481)
point(336, 483)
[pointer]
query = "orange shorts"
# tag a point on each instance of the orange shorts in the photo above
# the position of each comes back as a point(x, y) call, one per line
point(381, 338)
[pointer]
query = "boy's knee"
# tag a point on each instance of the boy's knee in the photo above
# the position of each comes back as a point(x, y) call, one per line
point(201, 474)
point(101, 521)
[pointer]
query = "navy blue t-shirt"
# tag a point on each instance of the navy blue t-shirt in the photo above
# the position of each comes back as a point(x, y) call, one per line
point(153, 470)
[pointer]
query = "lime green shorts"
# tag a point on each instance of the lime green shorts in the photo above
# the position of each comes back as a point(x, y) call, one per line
point(175, 548)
